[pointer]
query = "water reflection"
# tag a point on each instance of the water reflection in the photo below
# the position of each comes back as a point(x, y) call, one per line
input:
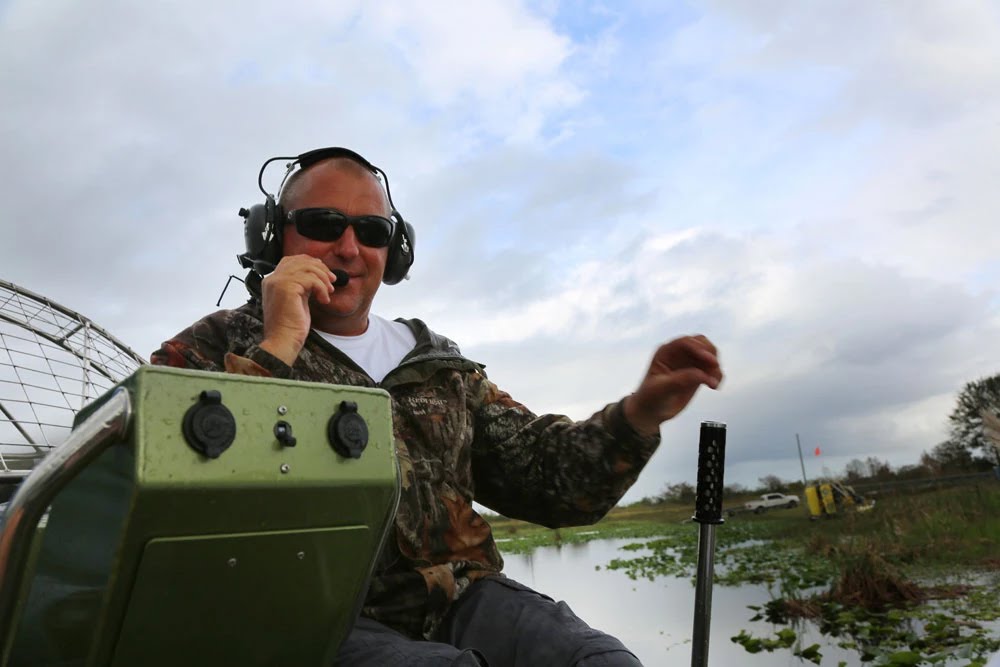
point(654, 618)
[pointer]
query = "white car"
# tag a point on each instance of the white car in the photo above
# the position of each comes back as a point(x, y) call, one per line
point(772, 501)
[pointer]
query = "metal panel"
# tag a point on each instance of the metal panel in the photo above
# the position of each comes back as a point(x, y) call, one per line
point(182, 605)
point(153, 503)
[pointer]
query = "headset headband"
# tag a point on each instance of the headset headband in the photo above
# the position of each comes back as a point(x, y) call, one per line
point(309, 158)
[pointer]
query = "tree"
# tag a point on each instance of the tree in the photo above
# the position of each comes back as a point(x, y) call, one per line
point(855, 470)
point(680, 492)
point(878, 469)
point(871, 468)
point(951, 457)
point(968, 430)
point(734, 489)
point(930, 463)
point(912, 471)
point(771, 483)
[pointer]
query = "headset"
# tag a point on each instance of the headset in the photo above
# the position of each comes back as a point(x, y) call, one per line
point(264, 224)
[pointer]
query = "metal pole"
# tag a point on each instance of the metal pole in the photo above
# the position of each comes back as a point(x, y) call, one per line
point(708, 513)
point(802, 463)
point(102, 428)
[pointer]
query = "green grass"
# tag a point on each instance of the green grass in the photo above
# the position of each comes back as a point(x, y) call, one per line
point(621, 523)
point(958, 526)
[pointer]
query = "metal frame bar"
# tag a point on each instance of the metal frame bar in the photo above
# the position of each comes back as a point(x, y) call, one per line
point(65, 312)
point(106, 425)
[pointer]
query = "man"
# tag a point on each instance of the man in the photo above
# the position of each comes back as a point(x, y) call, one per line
point(438, 596)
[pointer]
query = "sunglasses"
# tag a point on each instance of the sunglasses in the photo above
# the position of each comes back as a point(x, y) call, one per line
point(329, 224)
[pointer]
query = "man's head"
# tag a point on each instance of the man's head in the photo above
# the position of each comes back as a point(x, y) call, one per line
point(349, 187)
point(292, 190)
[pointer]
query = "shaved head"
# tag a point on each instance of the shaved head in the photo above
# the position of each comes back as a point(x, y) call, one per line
point(323, 169)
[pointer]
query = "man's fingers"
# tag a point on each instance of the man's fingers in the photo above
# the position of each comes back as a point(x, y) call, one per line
point(692, 378)
point(688, 351)
point(320, 290)
point(296, 266)
point(706, 343)
point(684, 382)
point(307, 276)
point(703, 348)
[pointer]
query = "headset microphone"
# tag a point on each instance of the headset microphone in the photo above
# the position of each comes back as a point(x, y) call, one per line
point(341, 277)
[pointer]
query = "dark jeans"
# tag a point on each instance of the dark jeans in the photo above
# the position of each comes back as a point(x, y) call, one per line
point(496, 623)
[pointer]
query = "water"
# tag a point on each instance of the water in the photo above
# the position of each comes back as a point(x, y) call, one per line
point(655, 618)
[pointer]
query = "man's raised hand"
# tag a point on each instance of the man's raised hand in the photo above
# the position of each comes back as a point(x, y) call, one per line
point(677, 370)
point(286, 294)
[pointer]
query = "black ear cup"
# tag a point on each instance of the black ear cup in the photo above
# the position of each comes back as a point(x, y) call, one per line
point(400, 257)
point(262, 236)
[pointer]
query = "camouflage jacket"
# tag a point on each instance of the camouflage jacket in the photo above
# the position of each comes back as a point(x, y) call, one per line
point(459, 438)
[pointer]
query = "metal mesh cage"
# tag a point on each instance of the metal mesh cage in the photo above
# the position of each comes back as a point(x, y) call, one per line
point(53, 361)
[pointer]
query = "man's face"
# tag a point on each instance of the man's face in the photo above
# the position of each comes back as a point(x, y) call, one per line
point(354, 192)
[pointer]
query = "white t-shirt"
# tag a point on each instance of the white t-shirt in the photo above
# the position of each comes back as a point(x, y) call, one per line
point(379, 349)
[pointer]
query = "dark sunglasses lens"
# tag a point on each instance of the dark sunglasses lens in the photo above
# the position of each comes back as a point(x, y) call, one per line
point(373, 231)
point(329, 225)
point(320, 225)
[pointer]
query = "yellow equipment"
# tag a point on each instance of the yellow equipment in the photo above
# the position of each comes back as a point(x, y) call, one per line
point(830, 498)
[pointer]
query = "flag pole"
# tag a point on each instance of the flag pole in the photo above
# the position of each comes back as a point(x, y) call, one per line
point(802, 463)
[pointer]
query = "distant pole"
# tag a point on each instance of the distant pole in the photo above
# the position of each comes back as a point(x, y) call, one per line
point(802, 463)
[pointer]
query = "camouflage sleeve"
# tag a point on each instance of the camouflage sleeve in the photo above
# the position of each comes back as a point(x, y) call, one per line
point(206, 346)
point(548, 469)
point(202, 346)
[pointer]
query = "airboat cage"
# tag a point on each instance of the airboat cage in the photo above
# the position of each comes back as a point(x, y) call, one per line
point(53, 361)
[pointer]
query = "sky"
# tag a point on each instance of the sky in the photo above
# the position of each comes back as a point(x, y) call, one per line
point(811, 185)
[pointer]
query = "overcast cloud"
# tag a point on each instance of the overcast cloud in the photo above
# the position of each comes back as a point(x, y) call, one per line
point(812, 185)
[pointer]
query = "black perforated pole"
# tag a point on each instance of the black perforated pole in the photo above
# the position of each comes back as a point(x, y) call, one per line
point(708, 513)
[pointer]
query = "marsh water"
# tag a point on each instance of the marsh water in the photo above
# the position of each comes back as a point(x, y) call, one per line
point(654, 618)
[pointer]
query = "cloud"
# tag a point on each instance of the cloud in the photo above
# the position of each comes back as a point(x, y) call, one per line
point(848, 353)
point(916, 63)
point(500, 49)
point(810, 185)
point(138, 133)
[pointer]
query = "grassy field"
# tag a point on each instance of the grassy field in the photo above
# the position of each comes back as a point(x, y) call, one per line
point(638, 522)
point(914, 581)
point(958, 526)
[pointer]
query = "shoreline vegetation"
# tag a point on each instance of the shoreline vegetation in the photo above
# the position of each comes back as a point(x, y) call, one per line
point(916, 581)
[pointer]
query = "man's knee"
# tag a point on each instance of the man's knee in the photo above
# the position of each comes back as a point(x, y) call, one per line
point(372, 644)
point(610, 659)
point(469, 658)
point(513, 624)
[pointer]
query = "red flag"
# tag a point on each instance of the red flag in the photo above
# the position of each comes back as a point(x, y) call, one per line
point(817, 452)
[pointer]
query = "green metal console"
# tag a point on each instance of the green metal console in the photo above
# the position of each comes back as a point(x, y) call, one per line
point(200, 519)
